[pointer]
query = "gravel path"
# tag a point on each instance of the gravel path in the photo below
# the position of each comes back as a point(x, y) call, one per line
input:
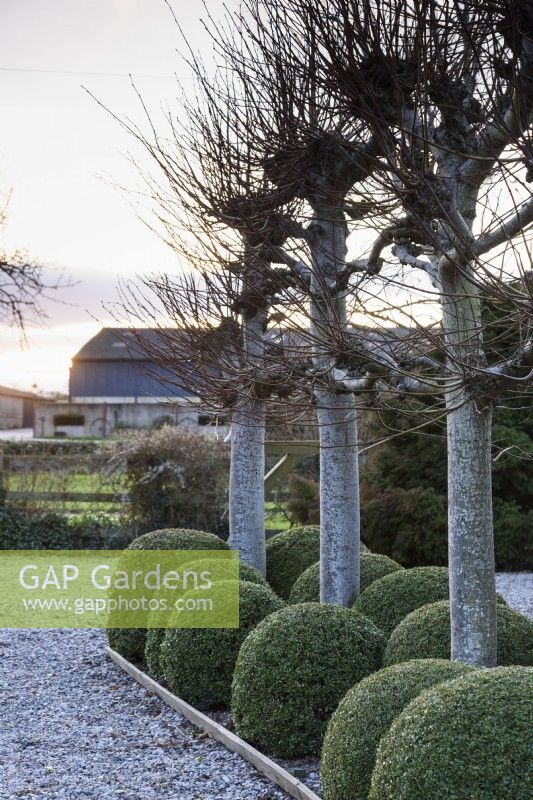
point(517, 589)
point(75, 727)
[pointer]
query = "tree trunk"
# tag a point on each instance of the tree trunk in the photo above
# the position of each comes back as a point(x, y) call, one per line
point(247, 470)
point(470, 526)
point(339, 499)
point(339, 474)
point(246, 484)
point(471, 542)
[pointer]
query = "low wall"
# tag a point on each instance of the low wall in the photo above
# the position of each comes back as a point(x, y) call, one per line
point(102, 418)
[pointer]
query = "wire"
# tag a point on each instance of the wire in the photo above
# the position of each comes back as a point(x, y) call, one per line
point(75, 72)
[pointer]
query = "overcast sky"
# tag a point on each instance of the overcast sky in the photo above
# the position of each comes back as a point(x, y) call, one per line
point(59, 151)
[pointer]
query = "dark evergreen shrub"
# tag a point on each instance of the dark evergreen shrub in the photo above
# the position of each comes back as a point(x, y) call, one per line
point(293, 669)
point(513, 536)
point(365, 714)
point(417, 463)
point(409, 525)
point(464, 739)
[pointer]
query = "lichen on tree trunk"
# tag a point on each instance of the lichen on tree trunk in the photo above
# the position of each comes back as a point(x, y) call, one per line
point(471, 541)
point(339, 499)
point(339, 474)
point(246, 485)
point(247, 470)
point(470, 522)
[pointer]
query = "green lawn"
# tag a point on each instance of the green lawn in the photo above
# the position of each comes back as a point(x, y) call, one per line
point(47, 481)
point(275, 519)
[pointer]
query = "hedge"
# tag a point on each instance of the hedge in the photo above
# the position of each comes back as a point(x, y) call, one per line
point(464, 739)
point(365, 714)
point(307, 587)
point(292, 671)
point(198, 663)
point(48, 531)
point(425, 633)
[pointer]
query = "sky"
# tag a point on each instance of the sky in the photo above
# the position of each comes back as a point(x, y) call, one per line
point(61, 157)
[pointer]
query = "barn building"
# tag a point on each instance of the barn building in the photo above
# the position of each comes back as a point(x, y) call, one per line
point(16, 408)
point(114, 384)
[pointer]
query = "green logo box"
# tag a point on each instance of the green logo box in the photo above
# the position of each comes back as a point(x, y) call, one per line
point(119, 589)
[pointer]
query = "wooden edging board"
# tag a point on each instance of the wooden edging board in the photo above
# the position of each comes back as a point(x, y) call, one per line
point(262, 763)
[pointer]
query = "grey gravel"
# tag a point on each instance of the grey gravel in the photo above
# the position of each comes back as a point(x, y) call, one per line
point(73, 726)
point(517, 589)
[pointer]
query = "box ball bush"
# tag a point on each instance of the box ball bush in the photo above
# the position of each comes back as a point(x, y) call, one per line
point(290, 553)
point(464, 739)
point(292, 671)
point(155, 636)
point(365, 714)
point(425, 633)
point(152, 651)
point(131, 643)
point(198, 663)
point(307, 587)
point(251, 575)
point(246, 572)
point(389, 599)
point(178, 539)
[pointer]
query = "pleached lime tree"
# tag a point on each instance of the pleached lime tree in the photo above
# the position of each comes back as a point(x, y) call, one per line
point(265, 155)
point(227, 223)
point(446, 91)
point(308, 142)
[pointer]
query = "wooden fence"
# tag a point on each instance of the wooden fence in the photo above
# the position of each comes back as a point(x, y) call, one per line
point(11, 464)
point(289, 453)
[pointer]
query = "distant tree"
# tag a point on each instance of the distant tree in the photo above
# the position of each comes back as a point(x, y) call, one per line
point(23, 284)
